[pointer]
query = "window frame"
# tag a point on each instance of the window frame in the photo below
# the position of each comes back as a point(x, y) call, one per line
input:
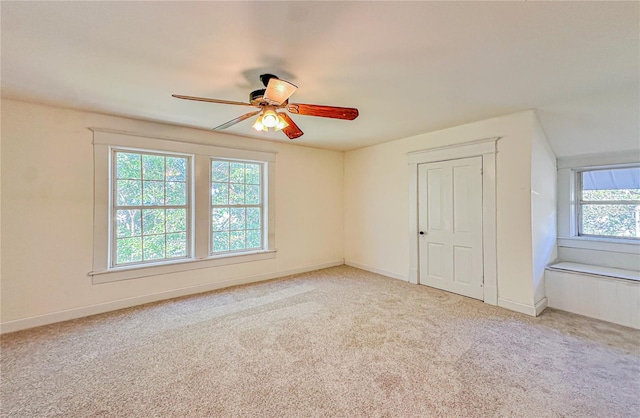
point(580, 202)
point(105, 141)
point(262, 205)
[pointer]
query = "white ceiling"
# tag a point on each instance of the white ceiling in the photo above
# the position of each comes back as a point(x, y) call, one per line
point(409, 67)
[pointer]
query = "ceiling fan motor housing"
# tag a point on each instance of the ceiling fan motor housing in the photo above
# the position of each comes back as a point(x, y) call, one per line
point(255, 97)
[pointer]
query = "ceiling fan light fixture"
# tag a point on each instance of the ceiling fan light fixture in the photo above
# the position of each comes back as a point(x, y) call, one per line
point(269, 118)
point(281, 123)
point(258, 126)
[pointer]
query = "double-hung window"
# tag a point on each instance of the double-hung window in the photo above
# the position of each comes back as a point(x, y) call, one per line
point(165, 206)
point(151, 207)
point(608, 202)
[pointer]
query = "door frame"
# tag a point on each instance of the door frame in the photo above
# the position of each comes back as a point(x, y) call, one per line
point(487, 149)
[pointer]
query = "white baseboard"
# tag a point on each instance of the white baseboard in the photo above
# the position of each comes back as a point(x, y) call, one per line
point(378, 271)
point(541, 305)
point(518, 307)
point(36, 321)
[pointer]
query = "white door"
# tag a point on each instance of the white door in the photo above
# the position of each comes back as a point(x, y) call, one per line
point(450, 225)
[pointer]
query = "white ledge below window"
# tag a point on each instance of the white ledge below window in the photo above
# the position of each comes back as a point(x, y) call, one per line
point(134, 272)
point(614, 273)
point(620, 245)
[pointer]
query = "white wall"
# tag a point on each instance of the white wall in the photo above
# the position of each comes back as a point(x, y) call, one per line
point(543, 207)
point(376, 202)
point(47, 222)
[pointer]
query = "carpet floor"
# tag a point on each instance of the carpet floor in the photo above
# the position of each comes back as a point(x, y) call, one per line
point(335, 342)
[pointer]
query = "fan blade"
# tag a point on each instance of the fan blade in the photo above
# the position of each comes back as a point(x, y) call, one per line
point(236, 120)
point(292, 131)
point(202, 99)
point(348, 113)
point(278, 91)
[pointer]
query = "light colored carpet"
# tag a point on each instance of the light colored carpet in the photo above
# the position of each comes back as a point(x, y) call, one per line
point(336, 342)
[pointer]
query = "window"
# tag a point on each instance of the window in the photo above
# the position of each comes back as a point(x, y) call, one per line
point(609, 202)
point(150, 207)
point(236, 206)
point(165, 206)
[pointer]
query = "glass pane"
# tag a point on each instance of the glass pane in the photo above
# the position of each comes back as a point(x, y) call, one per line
point(153, 247)
point(253, 218)
point(176, 169)
point(237, 240)
point(611, 220)
point(219, 193)
point(220, 171)
point(128, 166)
point(236, 174)
point(176, 220)
point(220, 242)
point(220, 219)
point(620, 194)
point(129, 193)
point(128, 250)
point(153, 193)
point(237, 220)
point(128, 223)
point(153, 167)
point(176, 193)
point(253, 173)
point(252, 196)
point(236, 194)
point(152, 221)
point(253, 238)
point(176, 245)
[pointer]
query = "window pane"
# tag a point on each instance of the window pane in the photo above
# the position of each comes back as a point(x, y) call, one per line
point(152, 221)
point(153, 167)
point(176, 245)
point(176, 220)
point(128, 166)
point(153, 247)
point(153, 193)
point(253, 218)
point(176, 169)
point(129, 193)
point(220, 171)
point(176, 193)
point(237, 241)
point(219, 193)
point(252, 196)
point(237, 219)
point(236, 174)
point(253, 173)
point(253, 238)
point(128, 223)
point(236, 194)
point(128, 250)
point(611, 220)
point(220, 219)
point(620, 194)
point(220, 242)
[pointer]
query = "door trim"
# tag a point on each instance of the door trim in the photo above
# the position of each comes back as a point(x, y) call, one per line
point(487, 149)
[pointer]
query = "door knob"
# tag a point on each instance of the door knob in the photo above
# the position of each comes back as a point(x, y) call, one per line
point(421, 232)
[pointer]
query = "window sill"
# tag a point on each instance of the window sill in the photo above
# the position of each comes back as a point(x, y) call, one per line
point(601, 244)
point(126, 273)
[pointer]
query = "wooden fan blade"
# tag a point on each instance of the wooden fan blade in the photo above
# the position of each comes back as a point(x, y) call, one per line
point(348, 113)
point(236, 120)
point(278, 91)
point(292, 131)
point(202, 99)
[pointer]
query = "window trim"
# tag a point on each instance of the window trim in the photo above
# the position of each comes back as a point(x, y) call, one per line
point(579, 202)
point(567, 216)
point(104, 140)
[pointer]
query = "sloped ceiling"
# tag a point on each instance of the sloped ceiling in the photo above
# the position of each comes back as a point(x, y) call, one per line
point(410, 67)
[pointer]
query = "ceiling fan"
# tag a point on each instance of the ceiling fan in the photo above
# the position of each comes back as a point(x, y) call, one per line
point(274, 97)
